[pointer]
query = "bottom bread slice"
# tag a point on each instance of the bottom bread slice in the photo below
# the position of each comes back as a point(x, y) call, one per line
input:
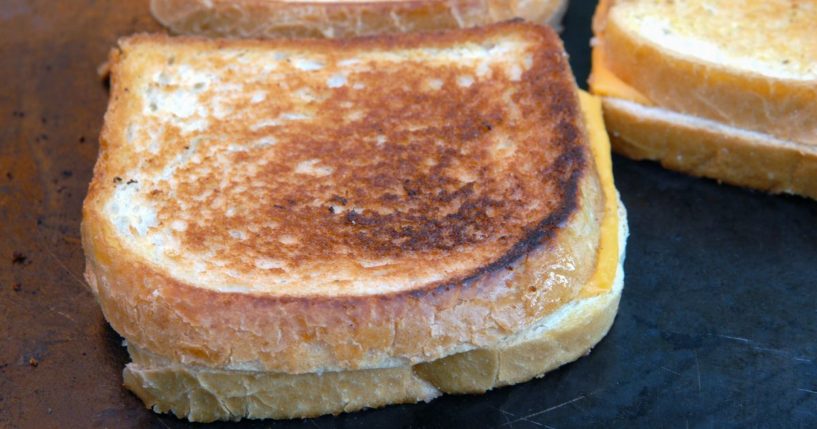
point(706, 148)
point(207, 394)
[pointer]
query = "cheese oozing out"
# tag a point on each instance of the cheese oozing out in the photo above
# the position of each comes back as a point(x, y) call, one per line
point(604, 82)
point(607, 260)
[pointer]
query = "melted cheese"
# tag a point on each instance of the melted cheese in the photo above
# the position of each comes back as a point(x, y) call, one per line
point(608, 253)
point(604, 82)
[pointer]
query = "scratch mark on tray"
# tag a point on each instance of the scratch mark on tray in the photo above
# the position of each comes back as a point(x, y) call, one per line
point(782, 352)
point(741, 339)
point(505, 414)
point(758, 348)
point(65, 315)
point(669, 370)
point(48, 250)
point(698, 371)
point(808, 391)
point(547, 410)
point(771, 350)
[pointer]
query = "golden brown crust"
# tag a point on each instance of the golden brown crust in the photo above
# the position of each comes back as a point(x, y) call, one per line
point(501, 205)
point(206, 395)
point(782, 107)
point(296, 335)
point(711, 150)
point(271, 19)
point(541, 269)
point(203, 394)
point(403, 194)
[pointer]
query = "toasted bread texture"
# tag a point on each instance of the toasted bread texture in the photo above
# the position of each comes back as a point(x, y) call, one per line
point(343, 18)
point(707, 148)
point(726, 90)
point(749, 65)
point(206, 394)
point(306, 206)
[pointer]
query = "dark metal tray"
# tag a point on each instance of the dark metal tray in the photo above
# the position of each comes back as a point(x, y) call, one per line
point(717, 326)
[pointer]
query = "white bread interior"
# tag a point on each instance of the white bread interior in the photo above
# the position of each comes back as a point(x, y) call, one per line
point(707, 148)
point(205, 394)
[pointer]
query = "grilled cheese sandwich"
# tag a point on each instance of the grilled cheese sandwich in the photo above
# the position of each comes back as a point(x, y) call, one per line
point(721, 90)
point(294, 228)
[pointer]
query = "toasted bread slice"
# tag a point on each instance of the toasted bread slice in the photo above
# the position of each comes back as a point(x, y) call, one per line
point(707, 148)
point(306, 206)
point(750, 65)
point(343, 18)
point(206, 394)
point(203, 394)
point(720, 89)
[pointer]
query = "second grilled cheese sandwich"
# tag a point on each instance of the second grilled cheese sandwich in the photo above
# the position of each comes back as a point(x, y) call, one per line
point(717, 89)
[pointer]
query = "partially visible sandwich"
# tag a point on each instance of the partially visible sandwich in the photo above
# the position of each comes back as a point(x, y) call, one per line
point(285, 228)
point(715, 88)
point(343, 18)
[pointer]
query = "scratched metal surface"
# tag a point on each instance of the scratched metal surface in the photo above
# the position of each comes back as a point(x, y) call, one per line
point(717, 327)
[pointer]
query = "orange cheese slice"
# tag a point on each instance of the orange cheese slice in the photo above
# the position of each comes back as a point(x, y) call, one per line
point(605, 83)
point(608, 252)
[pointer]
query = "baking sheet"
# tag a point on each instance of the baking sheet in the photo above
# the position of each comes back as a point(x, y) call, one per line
point(717, 325)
